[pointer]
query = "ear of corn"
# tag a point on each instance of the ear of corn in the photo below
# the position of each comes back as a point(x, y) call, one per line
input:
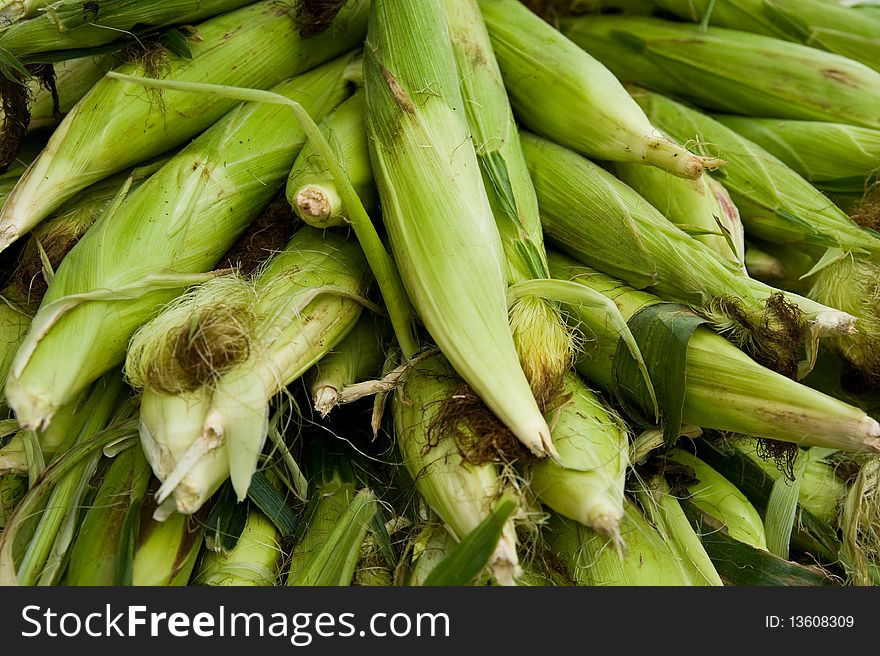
point(136, 123)
point(311, 189)
point(198, 203)
point(254, 561)
point(434, 452)
point(816, 23)
point(104, 547)
point(718, 497)
point(247, 341)
point(730, 70)
point(587, 485)
point(435, 208)
point(592, 559)
point(661, 506)
point(724, 388)
point(561, 92)
point(782, 208)
point(70, 24)
point(339, 516)
point(834, 157)
point(539, 334)
point(166, 551)
point(593, 216)
point(702, 208)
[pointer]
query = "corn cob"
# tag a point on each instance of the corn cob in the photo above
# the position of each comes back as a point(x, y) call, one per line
point(435, 208)
point(70, 24)
point(716, 496)
point(593, 216)
point(311, 189)
point(254, 561)
point(250, 46)
point(198, 203)
point(438, 448)
point(591, 559)
point(701, 208)
point(731, 71)
point(834, 157)
point(780, 207)
point(723, 389)
point(210, 364)
point(816, 23)
point(561, 92)
point(542, 342)
point(588, 483)
point(357, 358)
point(103, 550)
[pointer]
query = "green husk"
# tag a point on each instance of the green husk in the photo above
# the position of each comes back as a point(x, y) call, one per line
point(593, 216)
point(357, 358)
point(70, 24)
point(167, 550)
point(587, 485)
point(12, 490)
point(438, 443)
point(835, 157)
point(252, 46)
point(311, 189)
point(103, 551)
point(196, 206)
point(561, 92)
point(254, 561)
point(339, 515)
point(211, 363)
point(541, 339)
point(730, 70)
point(662, 507)
point(716, 496)
point(14, 10)
point(436, 210)
point(816, 23)
point(702, 208)
point(721, 388)
point(591, 559)
point(73, 79)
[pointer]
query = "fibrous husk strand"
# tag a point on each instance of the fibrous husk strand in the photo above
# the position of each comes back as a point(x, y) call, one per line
point(773, 339)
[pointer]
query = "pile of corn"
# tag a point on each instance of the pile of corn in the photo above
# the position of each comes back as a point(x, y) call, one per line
point(440, 292)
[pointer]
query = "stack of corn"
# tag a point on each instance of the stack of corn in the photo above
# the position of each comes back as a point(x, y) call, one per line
point(587, 293)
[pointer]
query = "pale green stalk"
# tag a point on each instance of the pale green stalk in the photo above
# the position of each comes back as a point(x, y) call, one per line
point(440, 225)
point(196, 206)
point(724, 389)
point(357, 358)
point(251, 46)
point(561, 92)
point(311, 189)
